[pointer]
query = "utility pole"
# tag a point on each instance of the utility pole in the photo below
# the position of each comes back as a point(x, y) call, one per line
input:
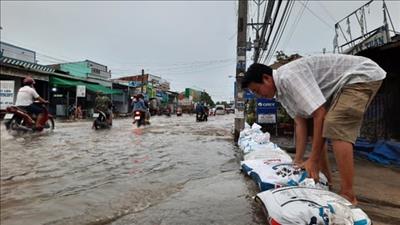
point(260, 43)
point(257, 26)
point(240, 67)
point(142, 80)
point(153, 89)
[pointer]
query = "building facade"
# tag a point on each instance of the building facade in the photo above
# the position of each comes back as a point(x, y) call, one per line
point(15, 52)
point(148, 81)
point(16, 63)
point(89, 70)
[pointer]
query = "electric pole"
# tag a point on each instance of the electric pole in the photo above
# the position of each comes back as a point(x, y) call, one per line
point(240, 67)
point(142, 80)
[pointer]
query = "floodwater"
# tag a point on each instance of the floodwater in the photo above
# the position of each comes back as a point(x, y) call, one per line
point(175, 171)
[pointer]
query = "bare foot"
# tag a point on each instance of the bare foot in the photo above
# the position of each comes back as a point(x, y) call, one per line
point(330, 186)
point(352, 200)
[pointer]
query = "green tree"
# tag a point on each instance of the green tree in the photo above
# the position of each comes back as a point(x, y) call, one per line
point(206, 98)
point(251, 111)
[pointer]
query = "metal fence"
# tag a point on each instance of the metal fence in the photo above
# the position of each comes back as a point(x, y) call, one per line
point(382, 119)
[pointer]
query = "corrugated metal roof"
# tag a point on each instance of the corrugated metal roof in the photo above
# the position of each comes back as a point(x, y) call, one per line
point(26, 65)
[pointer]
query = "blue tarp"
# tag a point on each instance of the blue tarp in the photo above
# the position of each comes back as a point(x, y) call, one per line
point(381, 152)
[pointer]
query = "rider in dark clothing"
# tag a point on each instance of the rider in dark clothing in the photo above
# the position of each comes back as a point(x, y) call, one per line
point(200, 111)
point(140, 104)
point(206, 112)
point(104, 104)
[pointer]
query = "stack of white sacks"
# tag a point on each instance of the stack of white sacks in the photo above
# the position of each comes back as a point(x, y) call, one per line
point(289, 196)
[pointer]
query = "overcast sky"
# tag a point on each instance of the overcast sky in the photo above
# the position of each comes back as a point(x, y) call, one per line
point(191, 44)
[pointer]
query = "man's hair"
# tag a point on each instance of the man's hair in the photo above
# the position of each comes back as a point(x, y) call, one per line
point(28, 81)
point(255, 74)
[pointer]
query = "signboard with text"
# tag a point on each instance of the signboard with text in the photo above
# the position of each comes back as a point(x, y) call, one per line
point(266, 111)
point(80, 91)
point(6, 93)
point(379, 38)
point(248, 95)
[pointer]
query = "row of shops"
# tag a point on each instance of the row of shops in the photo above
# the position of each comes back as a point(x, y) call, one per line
point(62, 84)
point(62, 90)
point(70, 85)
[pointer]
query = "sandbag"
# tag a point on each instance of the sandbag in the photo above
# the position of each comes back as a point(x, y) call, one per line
point(253, 138)
point(253, 146)
point(309, 206)
point(256, 136)
point(255, 126)
point(263, 152)
point(269, 174)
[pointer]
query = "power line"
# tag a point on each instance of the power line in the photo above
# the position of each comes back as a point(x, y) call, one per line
point(279, 32)
point(11, 50)
point(39, 53)
point(267, 16)
point(199, 69)
point(271, 28)
point(327, 11)
point(177, 65)
point(322, 20)
point(176, 68)
point(189, 71)
point(283, 16)
point(294, 26)
point(191, 67)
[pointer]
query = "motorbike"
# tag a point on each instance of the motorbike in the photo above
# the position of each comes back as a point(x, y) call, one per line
point(100, 121)
point(20, 120)
point(200, 117)
point(168, 112)
point(139, 118)
point(179, 111)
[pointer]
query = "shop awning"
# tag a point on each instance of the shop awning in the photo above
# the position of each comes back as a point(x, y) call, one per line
point(60, 82)
point(105, 90)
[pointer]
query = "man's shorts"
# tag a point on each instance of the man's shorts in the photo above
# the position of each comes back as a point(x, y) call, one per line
point(346, 112)
point(34, 108)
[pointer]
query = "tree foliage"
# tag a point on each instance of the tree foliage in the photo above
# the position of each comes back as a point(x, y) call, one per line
point(251, 111)
point(206, 98)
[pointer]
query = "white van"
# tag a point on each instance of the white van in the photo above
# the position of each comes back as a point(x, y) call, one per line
point(219, 110)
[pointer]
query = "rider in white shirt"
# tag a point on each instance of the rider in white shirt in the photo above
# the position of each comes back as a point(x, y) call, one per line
point(26, 97)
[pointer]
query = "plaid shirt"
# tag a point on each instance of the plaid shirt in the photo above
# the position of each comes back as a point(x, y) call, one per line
point(307, 83)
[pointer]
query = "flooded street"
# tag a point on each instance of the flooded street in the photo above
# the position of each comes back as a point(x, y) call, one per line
point(175, 171)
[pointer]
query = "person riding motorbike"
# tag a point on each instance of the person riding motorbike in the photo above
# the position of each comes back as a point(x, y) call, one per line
point(25, 99)
point(200, 112)
point(206, 112)
point(140, 105)
point(103, 103)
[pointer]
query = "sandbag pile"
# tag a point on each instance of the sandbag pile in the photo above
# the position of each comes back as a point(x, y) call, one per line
point(269, 174)
point(269, 165)
point(256, 145)
point(300, 205)
point(287, 194)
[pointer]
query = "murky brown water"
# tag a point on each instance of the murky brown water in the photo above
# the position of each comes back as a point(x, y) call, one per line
point(175, 171)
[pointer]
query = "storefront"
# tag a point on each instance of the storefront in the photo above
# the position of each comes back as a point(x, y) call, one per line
point(17, 70)
point(63, 95)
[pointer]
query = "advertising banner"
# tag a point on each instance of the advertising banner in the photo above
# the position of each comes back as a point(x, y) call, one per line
point(80, 91)
point(266, 111)
point(6, 93)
